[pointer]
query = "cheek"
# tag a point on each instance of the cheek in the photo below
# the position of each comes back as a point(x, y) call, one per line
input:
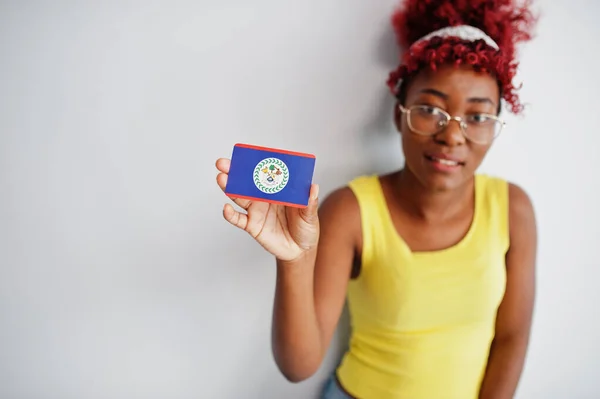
point(413, 145)
point(477, 154)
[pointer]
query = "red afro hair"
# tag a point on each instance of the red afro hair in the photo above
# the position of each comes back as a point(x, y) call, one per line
point(504, 21)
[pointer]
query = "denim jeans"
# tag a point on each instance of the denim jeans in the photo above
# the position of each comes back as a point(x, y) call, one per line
point(332, 390)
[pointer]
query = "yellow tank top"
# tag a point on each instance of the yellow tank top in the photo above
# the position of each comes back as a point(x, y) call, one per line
point(422, 322)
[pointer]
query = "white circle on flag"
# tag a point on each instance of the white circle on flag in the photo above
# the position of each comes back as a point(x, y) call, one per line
point(271, 175)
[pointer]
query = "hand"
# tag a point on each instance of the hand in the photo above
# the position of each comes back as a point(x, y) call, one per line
point(286, 232)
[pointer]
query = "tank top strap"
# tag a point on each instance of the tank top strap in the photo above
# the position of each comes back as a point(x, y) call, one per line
point(495, 209)
point(374, 214)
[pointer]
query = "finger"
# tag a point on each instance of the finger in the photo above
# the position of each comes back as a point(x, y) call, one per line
point(309, 214)
point(222, 182)
point(234, 217)
point(223, 165)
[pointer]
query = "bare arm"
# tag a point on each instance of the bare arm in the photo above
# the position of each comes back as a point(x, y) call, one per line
point(513, 323)
point(314, 249)
point(310, 291)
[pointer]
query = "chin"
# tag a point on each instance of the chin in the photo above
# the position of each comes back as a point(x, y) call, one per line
point(442, 181)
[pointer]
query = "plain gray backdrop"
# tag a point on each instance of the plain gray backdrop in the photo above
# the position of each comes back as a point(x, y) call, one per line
point(118, 276)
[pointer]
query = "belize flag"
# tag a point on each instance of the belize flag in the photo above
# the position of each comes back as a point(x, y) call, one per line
point(270, 175)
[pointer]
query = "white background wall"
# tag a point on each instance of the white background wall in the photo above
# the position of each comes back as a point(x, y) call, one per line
point(118, 276)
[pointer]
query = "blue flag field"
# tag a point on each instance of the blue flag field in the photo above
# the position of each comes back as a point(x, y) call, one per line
point(270, 175)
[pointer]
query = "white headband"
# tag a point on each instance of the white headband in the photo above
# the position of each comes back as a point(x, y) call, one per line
point(464, 32)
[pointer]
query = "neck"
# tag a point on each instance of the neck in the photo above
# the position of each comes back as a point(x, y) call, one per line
point(430, 204)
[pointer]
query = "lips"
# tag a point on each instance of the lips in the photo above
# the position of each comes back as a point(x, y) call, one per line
point(445, 159)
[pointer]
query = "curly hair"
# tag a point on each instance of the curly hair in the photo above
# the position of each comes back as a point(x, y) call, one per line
point(504, 21)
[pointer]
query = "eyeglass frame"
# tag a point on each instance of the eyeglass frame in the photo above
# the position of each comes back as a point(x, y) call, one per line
point(449, 118)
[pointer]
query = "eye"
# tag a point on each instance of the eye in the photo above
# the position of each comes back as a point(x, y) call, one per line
point(480, 119)
point(428, 110)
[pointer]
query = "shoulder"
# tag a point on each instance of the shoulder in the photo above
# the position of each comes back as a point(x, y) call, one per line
point(522, 222)
point(515, 192)
point(339, 200)
point(340, 206)
point(339, 212)
point(346, 200)
point(520, 204)
point(516, 202)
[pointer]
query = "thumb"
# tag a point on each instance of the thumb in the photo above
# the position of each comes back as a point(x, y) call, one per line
point(309, 214)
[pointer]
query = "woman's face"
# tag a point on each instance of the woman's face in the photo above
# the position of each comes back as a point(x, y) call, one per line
point(447, 159)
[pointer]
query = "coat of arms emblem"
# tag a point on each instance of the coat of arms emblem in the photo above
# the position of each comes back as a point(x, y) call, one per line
point(271, 175)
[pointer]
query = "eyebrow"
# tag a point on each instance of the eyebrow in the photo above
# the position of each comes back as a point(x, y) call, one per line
point(481, 100)
point(444, 96)
point(435, 92)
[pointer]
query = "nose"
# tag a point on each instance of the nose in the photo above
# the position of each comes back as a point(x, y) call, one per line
point(452, 134)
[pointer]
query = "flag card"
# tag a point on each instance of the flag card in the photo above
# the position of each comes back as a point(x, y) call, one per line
point(270, 175)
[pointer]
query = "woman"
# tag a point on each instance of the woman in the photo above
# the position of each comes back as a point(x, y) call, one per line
point(436, 261)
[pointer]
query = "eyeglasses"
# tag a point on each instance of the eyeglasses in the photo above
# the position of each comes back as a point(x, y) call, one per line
point(426, 120)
